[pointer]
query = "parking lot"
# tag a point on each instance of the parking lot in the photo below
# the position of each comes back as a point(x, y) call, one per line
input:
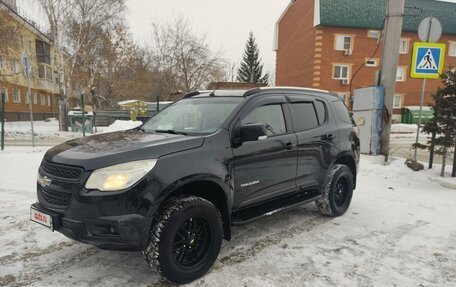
point(399, 231)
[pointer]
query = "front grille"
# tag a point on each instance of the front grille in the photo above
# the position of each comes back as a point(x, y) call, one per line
point(56, 197)
point(61, 171)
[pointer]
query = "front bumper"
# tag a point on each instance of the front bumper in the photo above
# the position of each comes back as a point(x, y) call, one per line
point(121, 232)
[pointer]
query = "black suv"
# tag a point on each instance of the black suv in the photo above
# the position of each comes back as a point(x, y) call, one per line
point(174, 186)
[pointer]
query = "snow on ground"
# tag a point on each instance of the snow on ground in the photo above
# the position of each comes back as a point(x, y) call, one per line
point(42, 130)
point(404, 128)
point(399, 231)
point(119, 125)
point(49, 130)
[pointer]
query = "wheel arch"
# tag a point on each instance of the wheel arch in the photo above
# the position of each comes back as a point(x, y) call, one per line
point(208, 187)
point(348, 160)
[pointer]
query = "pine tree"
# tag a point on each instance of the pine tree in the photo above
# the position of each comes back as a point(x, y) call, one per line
point(444, 123)
point(251, 69)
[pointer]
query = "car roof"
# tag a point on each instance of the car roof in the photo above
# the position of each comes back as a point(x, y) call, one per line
point(252, 92)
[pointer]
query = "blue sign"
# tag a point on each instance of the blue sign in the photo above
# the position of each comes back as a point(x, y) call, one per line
point(427, 60)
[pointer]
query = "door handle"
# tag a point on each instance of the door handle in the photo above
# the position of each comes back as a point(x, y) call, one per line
point(289, 146)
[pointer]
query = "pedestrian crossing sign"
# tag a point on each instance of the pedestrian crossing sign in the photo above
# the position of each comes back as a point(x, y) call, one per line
point(427, 60)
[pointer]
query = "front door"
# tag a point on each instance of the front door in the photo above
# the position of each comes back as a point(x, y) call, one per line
point(266, 167)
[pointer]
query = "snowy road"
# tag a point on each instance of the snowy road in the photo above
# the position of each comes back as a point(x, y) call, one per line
point(399, 231)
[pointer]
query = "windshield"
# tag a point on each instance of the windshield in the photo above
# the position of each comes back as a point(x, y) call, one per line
point(194, 115)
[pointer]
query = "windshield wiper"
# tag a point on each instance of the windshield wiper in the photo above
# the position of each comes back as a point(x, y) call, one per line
point(171, 132)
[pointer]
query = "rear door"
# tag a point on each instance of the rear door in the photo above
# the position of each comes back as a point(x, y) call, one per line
point(316, 136)
point(265, 168)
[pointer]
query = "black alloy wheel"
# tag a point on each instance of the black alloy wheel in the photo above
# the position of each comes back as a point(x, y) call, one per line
point(186, 239)
point(340, 192)
point(192, 241)
point(336, 192)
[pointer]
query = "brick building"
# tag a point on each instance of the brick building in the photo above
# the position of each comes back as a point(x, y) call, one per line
point(322, 43)
point(13, 84)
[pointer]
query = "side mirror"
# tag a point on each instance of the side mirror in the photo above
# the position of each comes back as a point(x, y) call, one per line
point(252, 132)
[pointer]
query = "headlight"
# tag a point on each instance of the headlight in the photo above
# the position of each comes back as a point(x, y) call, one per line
point(120, 176)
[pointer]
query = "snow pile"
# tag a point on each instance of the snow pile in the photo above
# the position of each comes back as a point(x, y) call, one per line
point(42, 129)
point(49, 130)
point(119, 125)
point(404, 128)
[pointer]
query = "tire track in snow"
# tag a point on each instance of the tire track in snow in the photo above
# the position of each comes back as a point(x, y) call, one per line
point(54, 266)
point(385, 247)
point(240, 255)
point(13, 258)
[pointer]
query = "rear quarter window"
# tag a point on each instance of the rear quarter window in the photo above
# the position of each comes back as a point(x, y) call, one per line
point(320, 107)
point(342, 112)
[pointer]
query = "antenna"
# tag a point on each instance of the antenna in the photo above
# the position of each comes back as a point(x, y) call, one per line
point(216, 87)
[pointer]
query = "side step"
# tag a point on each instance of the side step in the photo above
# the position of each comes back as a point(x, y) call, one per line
point(272, 206)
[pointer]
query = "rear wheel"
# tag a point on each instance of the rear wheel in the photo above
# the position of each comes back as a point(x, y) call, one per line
point(337, 191)
point(186, 240)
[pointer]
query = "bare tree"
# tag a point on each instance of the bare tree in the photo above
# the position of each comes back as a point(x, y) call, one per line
point(183, 58)
point(73, 27)
point(9, 38)
point(57, 12)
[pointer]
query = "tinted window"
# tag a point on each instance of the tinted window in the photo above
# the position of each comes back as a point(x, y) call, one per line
point(342, 112)
point(321, 111)
point(305, 117)
point(271, 116)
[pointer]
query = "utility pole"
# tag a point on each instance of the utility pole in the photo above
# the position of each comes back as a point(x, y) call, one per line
point(392, 36)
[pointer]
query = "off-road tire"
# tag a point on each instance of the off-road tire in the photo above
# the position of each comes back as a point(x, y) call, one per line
point(160, 253)
point(333, 203)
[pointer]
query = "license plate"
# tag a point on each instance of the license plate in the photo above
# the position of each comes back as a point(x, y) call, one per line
point(41, 218)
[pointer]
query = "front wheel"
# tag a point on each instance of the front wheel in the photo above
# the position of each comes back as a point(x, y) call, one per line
point(337, 191)
point(186, 239)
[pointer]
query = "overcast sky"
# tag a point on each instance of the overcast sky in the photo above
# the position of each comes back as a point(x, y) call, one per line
point(226, 23)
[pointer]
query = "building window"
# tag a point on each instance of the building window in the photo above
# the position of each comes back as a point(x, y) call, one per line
point(42, 100)
point(343, 42)
point(371, 62)
point(27, 99)
point(41, 72)
point(373, 34)
point(48, 73)
point(452, 49)
point(49, 100)
point(5, 91)
point(340, 72)
point(35, 99)
point(14, 66)
point(45, 72)
point(400, 74)
point(16, 96)
point(397, 104)
point(403, 46)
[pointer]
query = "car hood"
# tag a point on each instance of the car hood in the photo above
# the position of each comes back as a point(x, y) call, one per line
point(103, 150)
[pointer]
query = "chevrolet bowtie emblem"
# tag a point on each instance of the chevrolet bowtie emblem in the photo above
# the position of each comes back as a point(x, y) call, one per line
point(44, 181)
